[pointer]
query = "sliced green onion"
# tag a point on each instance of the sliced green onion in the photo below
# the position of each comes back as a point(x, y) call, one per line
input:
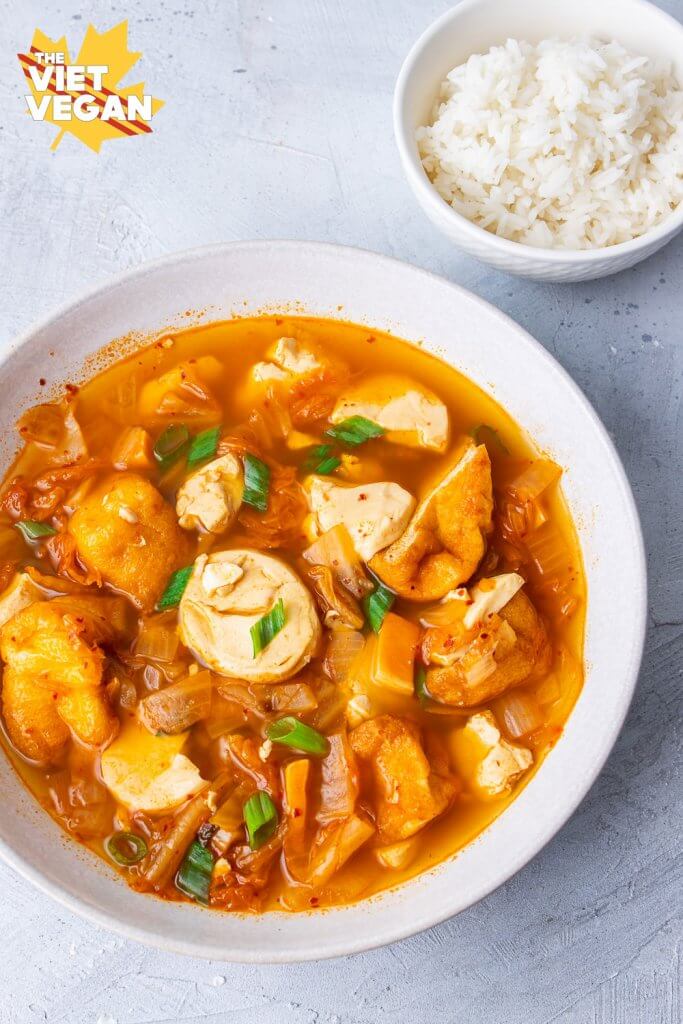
point(292, 733)
point(171, 444)
point(32, 530)
point(260, 817)
point(354, 431)
point(263, 631)
point(126, 848)
point(203, 446)
point(175, 588)
point(484, 433)
point(322, 460)
point(256, 483)
point(376, 605)
point(421, 691)
point(194, 874)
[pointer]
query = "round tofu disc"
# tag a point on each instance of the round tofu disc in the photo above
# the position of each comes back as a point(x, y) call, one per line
point(228, 592)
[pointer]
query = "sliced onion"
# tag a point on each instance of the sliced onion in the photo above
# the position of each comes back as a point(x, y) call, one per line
point(179, 705)
point(339, 783)
point(480, 669)
point(548, 691)
point(335, 549)
point(520, 713)
point(226, 716)
point(343, 648)
point(535, 479)
point(158, 639)
point(548, 551)
point(570, 679)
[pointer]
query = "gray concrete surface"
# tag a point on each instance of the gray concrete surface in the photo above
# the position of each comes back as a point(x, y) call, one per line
point(277, 124)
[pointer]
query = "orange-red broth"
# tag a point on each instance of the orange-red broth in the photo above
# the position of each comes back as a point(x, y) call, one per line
point(73, 793)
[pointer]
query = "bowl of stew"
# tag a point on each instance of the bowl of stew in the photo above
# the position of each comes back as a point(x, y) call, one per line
point(322, 601)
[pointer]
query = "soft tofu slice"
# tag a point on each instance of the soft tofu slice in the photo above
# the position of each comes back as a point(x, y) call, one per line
point(20, 593)
point(411, 414)
point(488, 596)
point(374, 514)
point(265, 373)
point(489, 763)
point(287, 359)
point(228, 592)
point(149, 773)
point(211, 498)
point(294, 357)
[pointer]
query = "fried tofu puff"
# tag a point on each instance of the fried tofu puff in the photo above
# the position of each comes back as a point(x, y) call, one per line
point(445, 540)
point(408, 793)
point(52, 681)
point(128, 536)
point(467, 667)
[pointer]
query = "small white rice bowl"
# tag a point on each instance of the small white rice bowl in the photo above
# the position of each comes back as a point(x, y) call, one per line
point(567, 144)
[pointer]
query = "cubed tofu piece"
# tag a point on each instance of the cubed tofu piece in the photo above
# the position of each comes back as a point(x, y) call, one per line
point(408, 793)
point(375, 515)
point(149, 773)
point(20, 593)
point(287, 360)
point(211, 497)
point(127, 535)
point(488, 763)
point(410, 414)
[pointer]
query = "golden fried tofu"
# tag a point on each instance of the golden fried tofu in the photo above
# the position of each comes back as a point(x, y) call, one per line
point(53, 679)
point(128, 536)
point(446, 538)
point(471, 667)
point(408, 792)
point(31, 718)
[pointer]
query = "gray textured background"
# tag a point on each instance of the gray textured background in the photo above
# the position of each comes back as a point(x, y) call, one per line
point(277, 124)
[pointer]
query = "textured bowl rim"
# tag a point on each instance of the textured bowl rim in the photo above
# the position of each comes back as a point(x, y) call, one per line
point(346, 945)
point(429, 197)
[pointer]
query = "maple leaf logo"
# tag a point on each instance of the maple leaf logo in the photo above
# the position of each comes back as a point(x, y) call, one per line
point(107, 50)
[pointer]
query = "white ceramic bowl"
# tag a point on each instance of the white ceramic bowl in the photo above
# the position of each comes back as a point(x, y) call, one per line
point(473, 27)
point(504, 360)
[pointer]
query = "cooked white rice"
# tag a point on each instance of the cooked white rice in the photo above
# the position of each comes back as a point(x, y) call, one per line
point(566, 145)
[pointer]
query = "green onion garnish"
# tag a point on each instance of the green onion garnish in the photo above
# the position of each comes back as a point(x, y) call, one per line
point(376, 605)
point(171, 444)
point(322, 460)
point(354, 431)
point(32, 530)
point(263, 631)
point(194, 874)
point(292, 733)
point(175, 588)
point(256, 483)
point(126, 848)
point(421, 691)
point(203, 446)
point(484, 432)
point(260, 817)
